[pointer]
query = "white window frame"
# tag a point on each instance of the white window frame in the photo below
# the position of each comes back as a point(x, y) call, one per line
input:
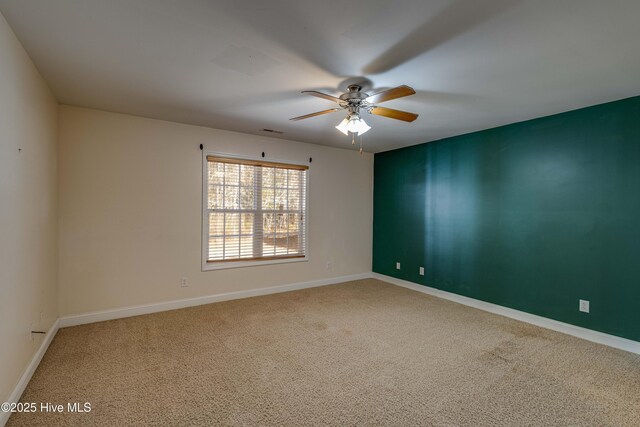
point(208, 266)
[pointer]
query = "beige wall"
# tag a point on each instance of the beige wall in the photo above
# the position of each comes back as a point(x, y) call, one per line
point(28, 209)
point(130, 211)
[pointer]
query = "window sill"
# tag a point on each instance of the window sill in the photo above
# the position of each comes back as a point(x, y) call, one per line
point(209, 266)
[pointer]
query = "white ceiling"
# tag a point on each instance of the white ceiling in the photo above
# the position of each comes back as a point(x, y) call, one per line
point(241, 64)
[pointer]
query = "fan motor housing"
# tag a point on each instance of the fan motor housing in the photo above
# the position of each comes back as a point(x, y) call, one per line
point(354, 94)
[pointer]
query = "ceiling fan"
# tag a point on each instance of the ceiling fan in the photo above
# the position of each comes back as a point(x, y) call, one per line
point(355, 102)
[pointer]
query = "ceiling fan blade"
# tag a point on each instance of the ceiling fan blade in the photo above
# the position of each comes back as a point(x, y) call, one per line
point(319, 113)
point(394, 114)
point(322, 95)
point(388, 95)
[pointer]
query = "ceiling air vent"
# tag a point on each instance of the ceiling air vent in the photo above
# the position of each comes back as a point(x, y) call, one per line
point(279, 132)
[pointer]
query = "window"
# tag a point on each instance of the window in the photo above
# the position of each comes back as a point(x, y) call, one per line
point(255, 212)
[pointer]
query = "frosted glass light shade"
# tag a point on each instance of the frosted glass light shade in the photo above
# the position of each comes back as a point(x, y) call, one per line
point(342, 127)
point(360, 126)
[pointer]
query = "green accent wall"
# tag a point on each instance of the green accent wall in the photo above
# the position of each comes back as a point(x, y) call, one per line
point(533, 216)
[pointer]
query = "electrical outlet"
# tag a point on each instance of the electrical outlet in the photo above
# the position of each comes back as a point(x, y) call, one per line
point(184, 282)
point(397, 266)
point(584, 306)
point(422, 271)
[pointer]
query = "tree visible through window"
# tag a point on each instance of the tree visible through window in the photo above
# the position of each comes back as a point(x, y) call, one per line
point(255, 210)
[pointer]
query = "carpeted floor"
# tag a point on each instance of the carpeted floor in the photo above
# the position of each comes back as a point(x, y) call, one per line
point(358, 353)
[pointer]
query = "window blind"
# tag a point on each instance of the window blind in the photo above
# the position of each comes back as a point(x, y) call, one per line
point(256, 210)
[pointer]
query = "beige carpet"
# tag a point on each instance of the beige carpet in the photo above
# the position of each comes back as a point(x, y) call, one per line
point(358, 353)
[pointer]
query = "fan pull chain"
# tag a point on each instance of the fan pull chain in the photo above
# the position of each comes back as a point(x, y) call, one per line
point(361, 144)
point(353, 138)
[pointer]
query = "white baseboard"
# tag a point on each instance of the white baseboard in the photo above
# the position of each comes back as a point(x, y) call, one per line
point(543, 322)
point(100, 316)
point(31, 368)
point(566, 328)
